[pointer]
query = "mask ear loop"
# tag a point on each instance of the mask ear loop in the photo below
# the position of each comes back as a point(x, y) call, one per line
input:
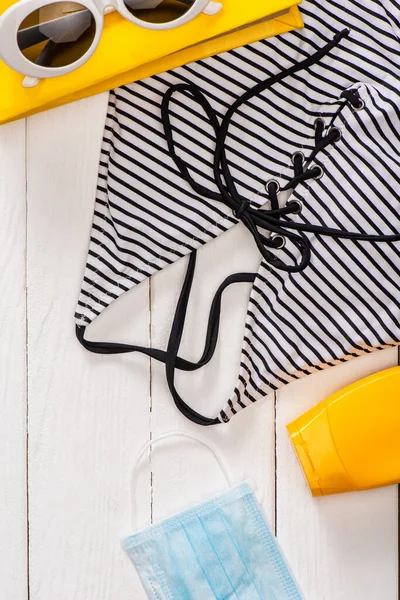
point(156, 440)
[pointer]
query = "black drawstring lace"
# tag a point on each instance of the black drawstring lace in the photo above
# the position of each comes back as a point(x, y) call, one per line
point(275, 220)
point(170, 357)
point(258, 219)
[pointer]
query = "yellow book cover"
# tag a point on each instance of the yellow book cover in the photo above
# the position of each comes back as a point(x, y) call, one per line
point(127, 53)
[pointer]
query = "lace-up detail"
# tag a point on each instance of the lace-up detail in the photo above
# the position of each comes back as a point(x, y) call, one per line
point(353, 97)
point(346, 302)
point(305, 168)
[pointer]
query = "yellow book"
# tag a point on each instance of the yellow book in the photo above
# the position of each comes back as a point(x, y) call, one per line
point(127, 53)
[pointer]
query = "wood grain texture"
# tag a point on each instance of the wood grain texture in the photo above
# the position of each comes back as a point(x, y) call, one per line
point(184, 474)
point(13, 505)
point(342, 546)
point(88, 414)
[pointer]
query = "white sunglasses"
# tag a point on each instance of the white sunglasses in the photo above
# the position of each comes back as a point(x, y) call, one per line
point(47, 40)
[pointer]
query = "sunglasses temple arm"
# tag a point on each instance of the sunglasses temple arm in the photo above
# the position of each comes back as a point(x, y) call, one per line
point(33, 35)
point(30, 82)
point(45, 57)
point(30, 37)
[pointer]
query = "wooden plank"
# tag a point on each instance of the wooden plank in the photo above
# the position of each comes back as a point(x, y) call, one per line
point(184, 474)
point(88, 414)
point(13, 505)
point(342, 546)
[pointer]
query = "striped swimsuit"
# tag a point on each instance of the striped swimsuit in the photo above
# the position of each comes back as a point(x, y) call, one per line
point(327, 125)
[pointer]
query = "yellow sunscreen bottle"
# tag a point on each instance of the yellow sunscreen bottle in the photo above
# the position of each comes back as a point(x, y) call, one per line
point(351, 440)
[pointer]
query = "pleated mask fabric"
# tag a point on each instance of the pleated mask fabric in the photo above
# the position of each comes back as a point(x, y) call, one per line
point(221, 548)
point(346, 104)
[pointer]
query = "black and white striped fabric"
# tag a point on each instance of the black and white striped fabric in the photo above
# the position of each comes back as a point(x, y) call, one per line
point(347, 301)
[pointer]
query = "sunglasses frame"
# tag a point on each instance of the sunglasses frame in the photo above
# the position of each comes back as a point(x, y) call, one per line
point(12, 18)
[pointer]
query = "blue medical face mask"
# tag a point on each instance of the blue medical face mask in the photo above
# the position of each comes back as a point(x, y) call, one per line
point(221, 549)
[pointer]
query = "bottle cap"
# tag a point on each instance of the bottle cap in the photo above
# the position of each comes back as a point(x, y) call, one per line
point(312, 439)
point(350, 441)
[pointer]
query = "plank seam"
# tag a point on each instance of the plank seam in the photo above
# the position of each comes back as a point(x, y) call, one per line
point(275, 468)
point(151, 401)
point(28, 587)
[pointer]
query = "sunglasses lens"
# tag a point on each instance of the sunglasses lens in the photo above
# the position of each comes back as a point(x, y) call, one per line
point(158, 11)
point(57, 35)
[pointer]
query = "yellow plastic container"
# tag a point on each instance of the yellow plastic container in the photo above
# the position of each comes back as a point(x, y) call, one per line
point(351, 440)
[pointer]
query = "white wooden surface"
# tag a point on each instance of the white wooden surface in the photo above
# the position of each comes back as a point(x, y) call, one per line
point(72, 422)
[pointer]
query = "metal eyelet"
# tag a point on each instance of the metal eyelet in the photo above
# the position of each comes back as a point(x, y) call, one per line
point(275, 182)
point(281, 241)
point(319, 120)
point(360, 105)
point(339, 134)
point(299, 208)
point(296, 154)
point(321, 171)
